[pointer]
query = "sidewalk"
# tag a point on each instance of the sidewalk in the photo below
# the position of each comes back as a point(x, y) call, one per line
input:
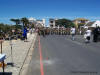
point(20, 50)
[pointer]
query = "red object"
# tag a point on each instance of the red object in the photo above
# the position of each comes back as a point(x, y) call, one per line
point(41, 58)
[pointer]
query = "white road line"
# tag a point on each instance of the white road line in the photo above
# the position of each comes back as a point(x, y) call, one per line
point(74, 41)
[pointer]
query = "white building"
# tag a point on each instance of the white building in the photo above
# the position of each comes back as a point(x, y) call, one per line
point(52, 23)
point(32, 19)
point(93, 24)
point(41, 22)
point(96, 24)
point(44, 22)
point(37, 22)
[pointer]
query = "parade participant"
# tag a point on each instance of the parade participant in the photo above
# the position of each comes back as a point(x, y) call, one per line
point(25, 33)
point(87, 35)
point(39, 32)
point(73, 30)
point(43, 32)
point(95, 34)
point(80, 32)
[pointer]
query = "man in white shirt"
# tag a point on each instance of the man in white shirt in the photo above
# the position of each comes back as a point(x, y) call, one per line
point(73, 32)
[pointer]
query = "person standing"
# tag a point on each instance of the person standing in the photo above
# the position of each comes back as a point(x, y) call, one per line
point(25, 34)
point(73, 30)
point(43, 32)
point(87, 35)
point(95, 34)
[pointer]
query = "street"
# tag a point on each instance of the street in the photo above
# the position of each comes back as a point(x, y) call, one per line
point(59, 55)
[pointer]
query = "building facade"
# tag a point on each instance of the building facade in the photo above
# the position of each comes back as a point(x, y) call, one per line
point(38, 23)
point(80, 21)
point(93, 24)
point(52, 23)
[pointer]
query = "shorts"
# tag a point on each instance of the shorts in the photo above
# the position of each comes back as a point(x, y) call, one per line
point(88, 38)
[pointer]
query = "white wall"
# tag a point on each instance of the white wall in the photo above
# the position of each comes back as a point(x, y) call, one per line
point(44, 22)
point(97, 23)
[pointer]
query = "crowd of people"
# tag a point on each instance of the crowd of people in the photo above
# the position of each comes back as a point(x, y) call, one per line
point(19, 34)
point(88, 33)
point(55, 31)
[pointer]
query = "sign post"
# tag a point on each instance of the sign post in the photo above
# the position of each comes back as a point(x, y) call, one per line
point(12, 64)
point(1, 45)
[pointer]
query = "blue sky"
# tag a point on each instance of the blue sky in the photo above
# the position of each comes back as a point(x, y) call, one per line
point(49, 9)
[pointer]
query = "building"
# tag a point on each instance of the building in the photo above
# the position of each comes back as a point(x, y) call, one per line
point(38, 23)
point(32, 20)
point(52, 23)
point(44, 22)
point(80, 21)
point(93, 24)
point(41, 22)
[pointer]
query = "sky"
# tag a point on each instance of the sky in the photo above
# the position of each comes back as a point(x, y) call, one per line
point(39, 9)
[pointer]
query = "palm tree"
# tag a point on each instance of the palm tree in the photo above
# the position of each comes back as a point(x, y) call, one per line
point(25, 22)
point(17, 21)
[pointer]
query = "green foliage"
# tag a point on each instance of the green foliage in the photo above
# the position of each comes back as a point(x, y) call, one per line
point(17, 21)
point(64, 22)
point(5, 28)
point(17, 27)
point(25, 21)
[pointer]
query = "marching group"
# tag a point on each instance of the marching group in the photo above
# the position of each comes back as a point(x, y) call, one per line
point(88, 33)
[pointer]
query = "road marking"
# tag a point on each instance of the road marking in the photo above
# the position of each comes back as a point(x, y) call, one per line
point(78, 43)
point(74, 41)
point(41, 59)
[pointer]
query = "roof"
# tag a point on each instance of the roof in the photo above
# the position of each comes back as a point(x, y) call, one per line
point(81, 19)
point(90, 23)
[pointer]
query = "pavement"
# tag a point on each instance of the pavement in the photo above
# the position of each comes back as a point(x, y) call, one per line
point(21, 54)
point(59, 55)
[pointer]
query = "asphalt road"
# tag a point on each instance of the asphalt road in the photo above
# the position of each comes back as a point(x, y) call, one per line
point(59, 55)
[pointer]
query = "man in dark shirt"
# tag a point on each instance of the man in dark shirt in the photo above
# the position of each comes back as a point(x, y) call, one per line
point(96, 33)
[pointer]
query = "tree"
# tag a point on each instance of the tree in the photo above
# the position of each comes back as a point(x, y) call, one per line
point(17, 21)
point(25, 21)
point(5, 28)
point(64, 22)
